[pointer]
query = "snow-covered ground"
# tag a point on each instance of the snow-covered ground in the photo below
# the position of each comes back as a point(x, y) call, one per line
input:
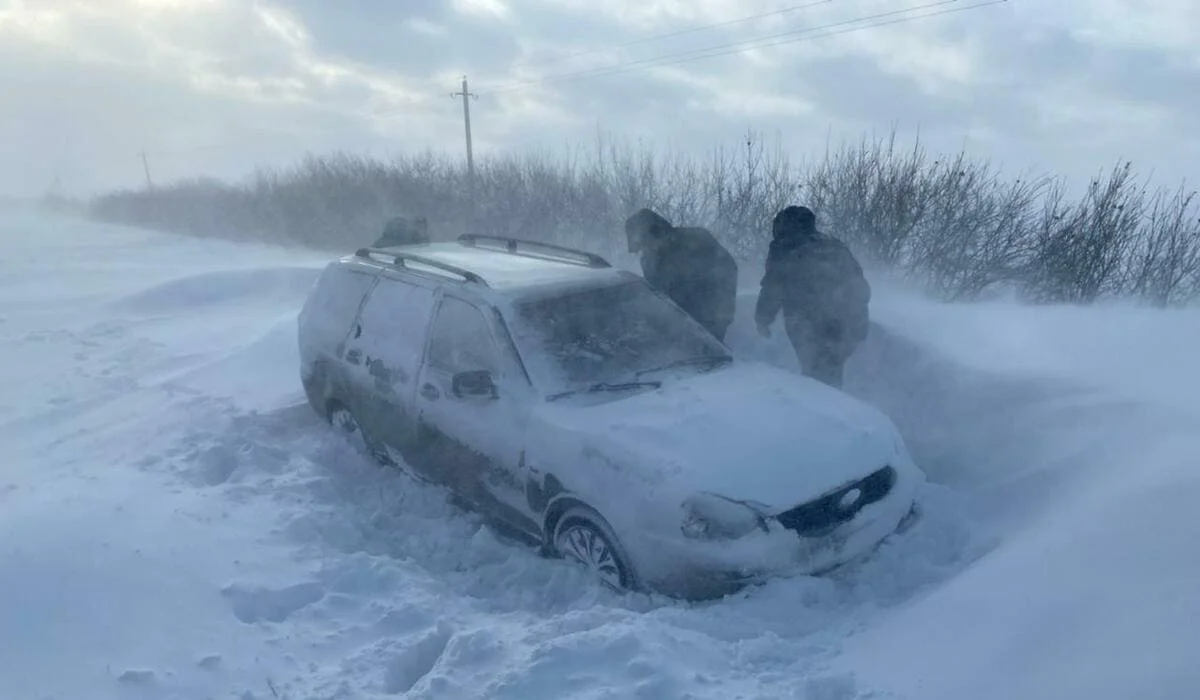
point(175, 523)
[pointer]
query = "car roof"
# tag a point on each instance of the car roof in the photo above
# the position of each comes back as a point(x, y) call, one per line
point(512, 267)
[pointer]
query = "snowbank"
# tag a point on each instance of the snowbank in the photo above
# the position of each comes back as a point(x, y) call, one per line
point(178, 524)
point(1076, 442)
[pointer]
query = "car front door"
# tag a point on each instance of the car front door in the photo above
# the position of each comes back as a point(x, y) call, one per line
point(473, 435)
point(387, 343)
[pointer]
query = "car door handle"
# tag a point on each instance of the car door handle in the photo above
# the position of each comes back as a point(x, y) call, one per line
point(431, 392)
point(354, 356)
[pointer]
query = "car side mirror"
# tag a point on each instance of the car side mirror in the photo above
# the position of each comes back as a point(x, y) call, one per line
point(474, 384)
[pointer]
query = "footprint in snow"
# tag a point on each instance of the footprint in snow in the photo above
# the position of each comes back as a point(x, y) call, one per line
point(214, 465)
point(209, 662)
point(417, 661)
point(257, 604)
point(136, 676)
point(842, 686)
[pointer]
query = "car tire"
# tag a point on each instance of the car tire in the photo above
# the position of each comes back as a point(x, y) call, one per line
point(581, 535)
point(344, 420)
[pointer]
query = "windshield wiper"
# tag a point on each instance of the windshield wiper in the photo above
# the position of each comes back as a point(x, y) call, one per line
point(710, 360)
point(605, 386)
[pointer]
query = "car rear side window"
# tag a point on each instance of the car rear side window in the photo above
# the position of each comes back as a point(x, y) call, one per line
point(461, 339)
point(335, 302)
point(394, 321)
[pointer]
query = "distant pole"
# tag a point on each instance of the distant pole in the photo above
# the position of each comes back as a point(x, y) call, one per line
point(146, 167)
point(466, 95)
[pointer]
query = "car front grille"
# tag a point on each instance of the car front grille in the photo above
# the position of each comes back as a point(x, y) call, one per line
point(819, 517)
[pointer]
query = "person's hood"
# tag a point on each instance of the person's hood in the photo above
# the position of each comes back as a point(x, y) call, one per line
point(640, 224)
point(793, 223)
point(748, 432)
point(646, 219)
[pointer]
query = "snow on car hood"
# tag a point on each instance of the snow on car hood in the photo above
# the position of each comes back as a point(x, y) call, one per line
point(747, 431)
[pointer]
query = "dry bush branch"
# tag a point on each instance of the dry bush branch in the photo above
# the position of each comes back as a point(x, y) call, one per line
point(951, 223)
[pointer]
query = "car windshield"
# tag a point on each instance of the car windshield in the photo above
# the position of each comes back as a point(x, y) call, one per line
point(609, 334)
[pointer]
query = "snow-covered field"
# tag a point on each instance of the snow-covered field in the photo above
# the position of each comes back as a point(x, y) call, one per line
point(175, 523)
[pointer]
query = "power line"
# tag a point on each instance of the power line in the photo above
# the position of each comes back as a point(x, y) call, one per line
point(874, 25)
point(693, 30)
point(742, 46)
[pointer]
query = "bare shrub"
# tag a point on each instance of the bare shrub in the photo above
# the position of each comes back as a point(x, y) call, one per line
point(745, 194)
point(1165, 266)
point(975, 231)
point(1080, 251)
point(951, 223)
point(873, 195)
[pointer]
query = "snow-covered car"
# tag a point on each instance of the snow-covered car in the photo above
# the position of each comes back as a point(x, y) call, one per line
point(567, 400)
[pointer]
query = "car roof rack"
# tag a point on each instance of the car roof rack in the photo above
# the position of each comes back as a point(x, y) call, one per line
point(402, 259)
point(535, 249)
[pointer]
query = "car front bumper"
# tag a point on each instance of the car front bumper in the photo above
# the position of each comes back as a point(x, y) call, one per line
point(694, 569)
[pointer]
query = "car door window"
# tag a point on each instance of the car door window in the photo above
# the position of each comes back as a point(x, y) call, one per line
point(461, 339)
point(393, 324)
point(335, 301)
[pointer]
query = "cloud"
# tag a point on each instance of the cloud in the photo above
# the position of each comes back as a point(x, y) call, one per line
point(220, 86)
point(482, 8)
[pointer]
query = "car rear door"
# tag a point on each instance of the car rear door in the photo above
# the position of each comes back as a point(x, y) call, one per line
point(385, 348)
point(474, 444)
point(324, 324)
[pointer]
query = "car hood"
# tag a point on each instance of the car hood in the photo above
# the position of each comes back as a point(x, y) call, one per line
point(748, 432)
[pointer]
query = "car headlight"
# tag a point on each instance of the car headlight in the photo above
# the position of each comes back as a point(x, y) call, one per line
point(707, 516)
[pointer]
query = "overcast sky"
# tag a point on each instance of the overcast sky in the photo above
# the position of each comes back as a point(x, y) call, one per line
point(221, 86)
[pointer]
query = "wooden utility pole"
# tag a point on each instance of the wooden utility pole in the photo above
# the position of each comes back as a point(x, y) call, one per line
point(146, 167)
point(466, 95)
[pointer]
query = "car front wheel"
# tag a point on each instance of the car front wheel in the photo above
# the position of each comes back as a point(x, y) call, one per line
point(582, 536)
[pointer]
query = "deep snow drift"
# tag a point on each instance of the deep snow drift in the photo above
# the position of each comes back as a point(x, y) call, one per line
point(177, 524)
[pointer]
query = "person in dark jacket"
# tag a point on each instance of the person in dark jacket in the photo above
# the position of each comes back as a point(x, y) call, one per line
point(818, 285)
point(404, 231)
point(689, 266)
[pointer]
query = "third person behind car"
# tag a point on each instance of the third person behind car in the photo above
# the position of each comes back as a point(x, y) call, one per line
point(402, 230)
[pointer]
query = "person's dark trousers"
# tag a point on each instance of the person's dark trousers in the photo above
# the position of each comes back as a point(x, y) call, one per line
point(821, 357)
